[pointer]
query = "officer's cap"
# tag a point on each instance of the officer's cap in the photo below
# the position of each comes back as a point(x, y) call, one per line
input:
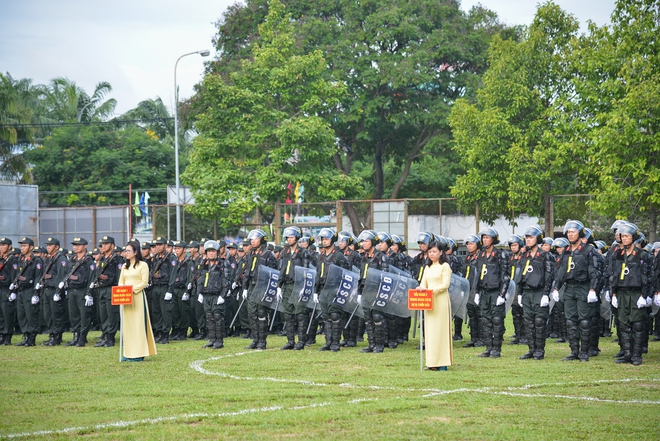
point(107, 239)
point(5, 241)
point(170, 243)
point(232, 245)
point(146, 244)
point(222, 243)
point(79, 241)
point(180, 244)
point(26, 240)
point(53, 241)
point(95, 252)
point(16, 251)
point(278, 248)
point(193, 244)
point(160, 240)
point(40, 250)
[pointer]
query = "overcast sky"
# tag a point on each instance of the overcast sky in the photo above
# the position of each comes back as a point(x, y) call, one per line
point(134, 45)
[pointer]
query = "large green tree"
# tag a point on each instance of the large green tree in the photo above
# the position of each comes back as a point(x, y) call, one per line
point(67, 102)
point(263, 128)
point(513, 139)
point(94, 158)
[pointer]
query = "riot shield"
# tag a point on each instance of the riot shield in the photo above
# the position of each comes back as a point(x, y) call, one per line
point(340, 289)
point(265, 290)
point(605, 308)
point(398, 272)
point(510, 296)
point(387, 292)
point(459, 291)
point(303, 287)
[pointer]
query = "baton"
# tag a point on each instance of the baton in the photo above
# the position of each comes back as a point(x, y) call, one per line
point(277, 305)
point(237, 311)
point(415, 325)
point(311, 319)
point(348, 322)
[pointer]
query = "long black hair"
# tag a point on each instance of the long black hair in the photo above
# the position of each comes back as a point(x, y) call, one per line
point(138, 254)
point(443, 256)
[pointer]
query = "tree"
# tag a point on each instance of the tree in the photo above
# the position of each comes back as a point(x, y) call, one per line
point(620, 91)
point(263, 128)
point(94, 158)
point(67, 102)
point(513, 140)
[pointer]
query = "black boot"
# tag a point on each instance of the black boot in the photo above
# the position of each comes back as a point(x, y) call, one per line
point(57, 339)
point(49, 342)
point(328, 336)
point(24, 341)
point(540, 330)
point(625, 341)
point(219, 330)
point(289, 328)
point(529, 329)
point(82, 340)
point(487, 329)
point(352, 332)
point(594, 336)
point(458, 329)
point(32, 337)
point(165, 337)
point(7, 340)
point(379, 333)
point(368, 325)
point(193, 333)
point(110, 340)
point(74, 342)
point(311, 336)
point(263, 333)
point(301, 319)
point(571, 331)
point(210, 326)
point(102, 342)
point(498, 336)
point(336, 332)
point(585, 328)
point(639, 337)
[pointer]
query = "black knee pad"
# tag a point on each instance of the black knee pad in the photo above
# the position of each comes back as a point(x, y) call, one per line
point(639, 326)
point(217, 316)
point(334, 316)
point(585, 325)
point(377, 318)
point(497, 321)
point(539, 321)
point(261, 314)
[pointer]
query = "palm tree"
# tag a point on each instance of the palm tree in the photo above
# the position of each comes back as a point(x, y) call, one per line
point(154, 116)
point(68, 102)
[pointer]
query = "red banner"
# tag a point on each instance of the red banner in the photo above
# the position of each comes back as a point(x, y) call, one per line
point(122, 295)
point(420, 300)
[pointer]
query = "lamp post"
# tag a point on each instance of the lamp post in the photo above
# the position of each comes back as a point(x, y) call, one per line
point(203, 53)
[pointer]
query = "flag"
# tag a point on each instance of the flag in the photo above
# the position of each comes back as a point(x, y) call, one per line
point(136, 207)
point(301, 194)
point(143, 207)
point(288, 192)
point(295, 193)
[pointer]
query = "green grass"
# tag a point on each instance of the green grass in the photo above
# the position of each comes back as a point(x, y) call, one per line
point(70, 392)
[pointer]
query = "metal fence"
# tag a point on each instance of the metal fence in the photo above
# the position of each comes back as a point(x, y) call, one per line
point(19, 211)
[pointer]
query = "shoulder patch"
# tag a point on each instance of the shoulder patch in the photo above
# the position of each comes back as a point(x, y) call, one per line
point(63, 262)
point(174, 263)
point(92, 267)
point(15, 266)
point(119, 266)
point(38, 266)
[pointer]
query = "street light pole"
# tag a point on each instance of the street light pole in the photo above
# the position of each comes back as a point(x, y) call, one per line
point(203, 53)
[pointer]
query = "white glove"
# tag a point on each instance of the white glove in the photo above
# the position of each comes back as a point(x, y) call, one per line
point(476, 299)
point(89, 301)
point(168, 296)
point(500, 301)
point(279, 293)
point(189, 287)
point(615, 302)
point(649, 301)
point(92, 285)
point(35, 300)
point(555, 295)
point(221, 300)
point(57, 298)
point(200, 298)
point(641, 303)
point(234, 285)
point(12, 287)
point(316, 298)
point(656, 299)
point(608, 298)
point(245, 294)
point(12, 296)
point(37, 287)
point(359, 299)
point(520, 300)
point(592, 297)
point(61, 285)
point(185, 297)
point(545, 301)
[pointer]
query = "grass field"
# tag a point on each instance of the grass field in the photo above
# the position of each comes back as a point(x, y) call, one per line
point(186, 392)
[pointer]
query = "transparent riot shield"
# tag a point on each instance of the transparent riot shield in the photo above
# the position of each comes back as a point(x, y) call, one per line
point(303, 287)
point(510, 296)
point(387, 292)
point(459, 292)
point(265, 290)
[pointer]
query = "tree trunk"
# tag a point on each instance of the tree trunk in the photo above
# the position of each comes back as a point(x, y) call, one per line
point(378, 170)
point(414, 154)
point(547, 218)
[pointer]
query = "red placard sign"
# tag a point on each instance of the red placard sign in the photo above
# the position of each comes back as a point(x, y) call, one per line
point(122, 295)
point(420, 300)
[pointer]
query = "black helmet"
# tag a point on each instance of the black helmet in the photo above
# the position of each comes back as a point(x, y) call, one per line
point(641, 240)
point(424, 237)
point(328, 233)
point(615, 226)
point(368, 235)
point(628, 228)
point(576, 225)
point(345, 236)
point(536, 231)
point(385, 237)
point(560, 242)
point(548, 240)
point(589, 235)
point(258, 233)
point(211, 245)
point(443, 243)
point(308, 240)
point(491, 232)
point(452, 244)
point(602, 245)
point(514, 238)
point(292, 231)
point(472, 238)
point(656, 246)
point(397, 240)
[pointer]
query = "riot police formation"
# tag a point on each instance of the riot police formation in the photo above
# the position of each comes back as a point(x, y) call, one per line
point(562, 287)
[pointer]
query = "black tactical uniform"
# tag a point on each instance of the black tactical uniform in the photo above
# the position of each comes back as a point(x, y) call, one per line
point(161, 278)
point(7, 307)
point(296, 316)
point(181, 301)
point(56, 269)
point(80, 302)
point(471, 273)
point(27, 301)
point(213, 285)
point(109, 268)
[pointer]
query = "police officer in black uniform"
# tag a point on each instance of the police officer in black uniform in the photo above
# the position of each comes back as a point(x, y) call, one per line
point(533, 291)
point(80, 302)
point(181, 302)
point(107, 276)
point(212, 287)
point(374, 319)
point(402, 261)
point(344, 242)
point(7, 307)
point(55, 269)
point(456, 268)
point(294, 315)
point(578, 272)
point(257, 313)
point(494, 277)
point(631, 284)
point(471, 273)
point(22, 291)
point(516, 249)
point(162, 276)
point(330, 313)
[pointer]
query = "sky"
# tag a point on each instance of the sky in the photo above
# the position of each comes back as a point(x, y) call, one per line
point(134, 45)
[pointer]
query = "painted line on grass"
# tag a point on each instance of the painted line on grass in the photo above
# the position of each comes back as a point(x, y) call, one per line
point(572, 397)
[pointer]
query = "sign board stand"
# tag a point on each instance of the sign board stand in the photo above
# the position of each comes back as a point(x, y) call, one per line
point(420, 300)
